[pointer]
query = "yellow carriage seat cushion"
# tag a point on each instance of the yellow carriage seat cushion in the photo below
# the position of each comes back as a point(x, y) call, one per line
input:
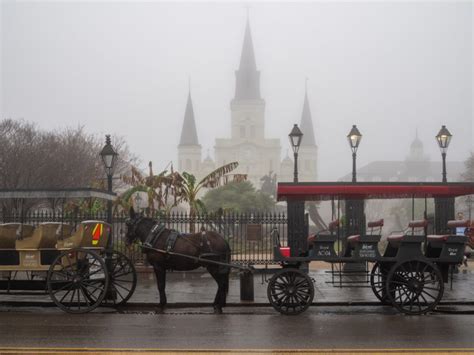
point(51, 232)
point(25, 236)
point(9, 235)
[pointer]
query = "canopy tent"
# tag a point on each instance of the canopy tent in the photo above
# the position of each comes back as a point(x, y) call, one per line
point(319, 191)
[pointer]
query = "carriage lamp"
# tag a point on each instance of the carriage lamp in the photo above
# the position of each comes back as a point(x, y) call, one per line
point(354, 137)
point(296, 136)
point(444, 138)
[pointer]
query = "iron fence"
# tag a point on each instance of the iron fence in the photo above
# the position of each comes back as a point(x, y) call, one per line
point(251, 236)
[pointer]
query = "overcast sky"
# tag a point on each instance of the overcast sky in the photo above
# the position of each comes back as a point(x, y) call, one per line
point(123, 68)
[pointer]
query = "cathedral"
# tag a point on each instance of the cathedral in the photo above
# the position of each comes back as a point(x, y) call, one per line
point(257, 155)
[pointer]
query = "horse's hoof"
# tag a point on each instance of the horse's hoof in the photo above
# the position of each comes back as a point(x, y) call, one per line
point(217, 310)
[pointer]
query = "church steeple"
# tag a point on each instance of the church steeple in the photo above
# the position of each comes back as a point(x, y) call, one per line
point(189, 132)
point(307, 123)
point(247, 86)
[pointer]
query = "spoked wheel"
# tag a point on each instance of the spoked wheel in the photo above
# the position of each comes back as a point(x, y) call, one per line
point(290, 291)
point(77, 280)
point(122, 279)
point(378, 281)
point(415, 287)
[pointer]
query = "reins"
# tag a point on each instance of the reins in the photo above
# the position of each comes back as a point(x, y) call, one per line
point(197, 258)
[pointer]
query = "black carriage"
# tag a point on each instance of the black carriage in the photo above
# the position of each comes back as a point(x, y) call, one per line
point(74, 263)
point(409, 273)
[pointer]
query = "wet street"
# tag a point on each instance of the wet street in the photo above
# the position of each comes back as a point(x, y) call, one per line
point(349, 318)
point(243, 328)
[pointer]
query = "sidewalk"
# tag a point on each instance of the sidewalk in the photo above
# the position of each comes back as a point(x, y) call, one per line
point(199, 287)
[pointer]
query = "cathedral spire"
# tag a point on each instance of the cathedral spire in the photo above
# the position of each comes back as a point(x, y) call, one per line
point(307, 122)
point(247, 86)
point(188, 132)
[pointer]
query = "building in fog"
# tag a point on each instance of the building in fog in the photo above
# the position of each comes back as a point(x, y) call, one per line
point(417, 167)
point(257, 155)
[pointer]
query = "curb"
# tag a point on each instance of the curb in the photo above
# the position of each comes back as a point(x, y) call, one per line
point(209, 304)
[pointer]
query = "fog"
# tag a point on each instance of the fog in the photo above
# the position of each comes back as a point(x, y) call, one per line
point(123, 68)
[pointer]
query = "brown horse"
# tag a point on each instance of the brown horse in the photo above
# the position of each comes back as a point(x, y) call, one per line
point(206, 245)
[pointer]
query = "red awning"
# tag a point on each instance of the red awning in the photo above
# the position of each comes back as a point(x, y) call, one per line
point(352, 191)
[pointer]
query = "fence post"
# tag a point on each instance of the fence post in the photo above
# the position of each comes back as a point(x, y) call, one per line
point(246, 286)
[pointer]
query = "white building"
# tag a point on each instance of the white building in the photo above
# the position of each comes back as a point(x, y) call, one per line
point(257, 155)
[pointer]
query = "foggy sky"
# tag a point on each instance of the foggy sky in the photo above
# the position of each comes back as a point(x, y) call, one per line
point(123, 68)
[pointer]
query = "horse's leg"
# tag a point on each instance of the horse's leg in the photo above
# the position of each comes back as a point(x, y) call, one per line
point(222, 278)
point(160, 273)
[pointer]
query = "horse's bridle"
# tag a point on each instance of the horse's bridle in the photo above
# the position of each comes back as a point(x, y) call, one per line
point(132, 224)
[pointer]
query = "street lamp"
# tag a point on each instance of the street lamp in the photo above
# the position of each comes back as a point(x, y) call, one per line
point(296, 136)
point(354, 137)
point(444, 138)
point(109, 158)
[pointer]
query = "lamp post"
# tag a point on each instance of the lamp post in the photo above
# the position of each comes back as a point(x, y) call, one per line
point(296, 136)
point(444, 207)
point(354, 137)
point(109, 158)
point(444, 138)
point(354, 215)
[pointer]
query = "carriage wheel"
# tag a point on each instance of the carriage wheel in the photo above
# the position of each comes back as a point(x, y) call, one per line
point(290, 291)
point(77, 280)
point(378, 280)
point(122, 279)
point(415, 287)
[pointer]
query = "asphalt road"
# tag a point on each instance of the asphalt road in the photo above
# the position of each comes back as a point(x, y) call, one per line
point(261, 328)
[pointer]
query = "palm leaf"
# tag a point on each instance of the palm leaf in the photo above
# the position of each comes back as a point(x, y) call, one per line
point(213, 179)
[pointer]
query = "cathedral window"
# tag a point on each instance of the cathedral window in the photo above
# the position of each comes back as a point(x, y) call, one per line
point(307, 165)
point(188, 165)
point(242, 131)
point(252, 131)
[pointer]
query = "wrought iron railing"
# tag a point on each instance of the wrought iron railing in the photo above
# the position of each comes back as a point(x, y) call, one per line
point(251, 236)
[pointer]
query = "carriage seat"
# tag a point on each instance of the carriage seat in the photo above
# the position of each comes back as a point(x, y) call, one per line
point(332, 227)
point(51, 232)
point(44, 236)
point(10, 232)
point(89, 234)
point(437, 237)
point(413, 226)
point(353, 238)
point(453, 224)
point(374, 224)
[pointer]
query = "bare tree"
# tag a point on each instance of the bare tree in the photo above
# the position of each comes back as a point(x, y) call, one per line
point(34, 159)
point(468, 174)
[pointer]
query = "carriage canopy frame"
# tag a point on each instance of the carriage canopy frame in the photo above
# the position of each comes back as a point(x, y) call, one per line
point(321, 191)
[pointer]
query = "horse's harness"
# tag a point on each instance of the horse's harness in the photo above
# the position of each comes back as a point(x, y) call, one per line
point(157, 230)
point(154, 234)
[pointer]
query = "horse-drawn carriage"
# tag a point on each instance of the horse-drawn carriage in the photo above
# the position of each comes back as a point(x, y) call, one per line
point(409, 273)
point(75, 264)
